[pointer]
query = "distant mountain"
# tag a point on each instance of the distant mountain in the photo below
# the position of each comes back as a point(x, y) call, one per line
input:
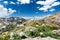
point(51, 20)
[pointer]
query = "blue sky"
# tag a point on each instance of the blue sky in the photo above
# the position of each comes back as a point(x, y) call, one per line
point(29, 8)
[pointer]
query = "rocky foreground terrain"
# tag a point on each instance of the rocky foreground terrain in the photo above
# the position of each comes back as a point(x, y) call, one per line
point(43, 29)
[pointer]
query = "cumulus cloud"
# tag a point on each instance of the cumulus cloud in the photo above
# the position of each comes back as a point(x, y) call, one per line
point(12, 2)
point(55, 4)
point(48, 4)
point(5, 2)
point(24, 1)
point(45, 8)
point(5, 12)
point(51, 10)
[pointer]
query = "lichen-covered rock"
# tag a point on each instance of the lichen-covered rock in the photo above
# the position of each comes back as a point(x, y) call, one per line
point(56, 32)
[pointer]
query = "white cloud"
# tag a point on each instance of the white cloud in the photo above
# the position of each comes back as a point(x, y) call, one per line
point(5, 12)
point(44, 8)
point(11, 11)
point(12, 2)
point(51, 10)
point(5, 2)
point(55, 4)
point(24, 1)
point(40, 2)
point(47, 4)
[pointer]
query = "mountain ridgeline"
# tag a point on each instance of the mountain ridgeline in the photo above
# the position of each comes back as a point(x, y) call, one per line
point(52, 20)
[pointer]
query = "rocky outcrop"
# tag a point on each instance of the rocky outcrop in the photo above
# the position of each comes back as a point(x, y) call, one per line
point(56, 32)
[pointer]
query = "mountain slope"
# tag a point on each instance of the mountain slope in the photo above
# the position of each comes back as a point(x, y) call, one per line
point(54, 19)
